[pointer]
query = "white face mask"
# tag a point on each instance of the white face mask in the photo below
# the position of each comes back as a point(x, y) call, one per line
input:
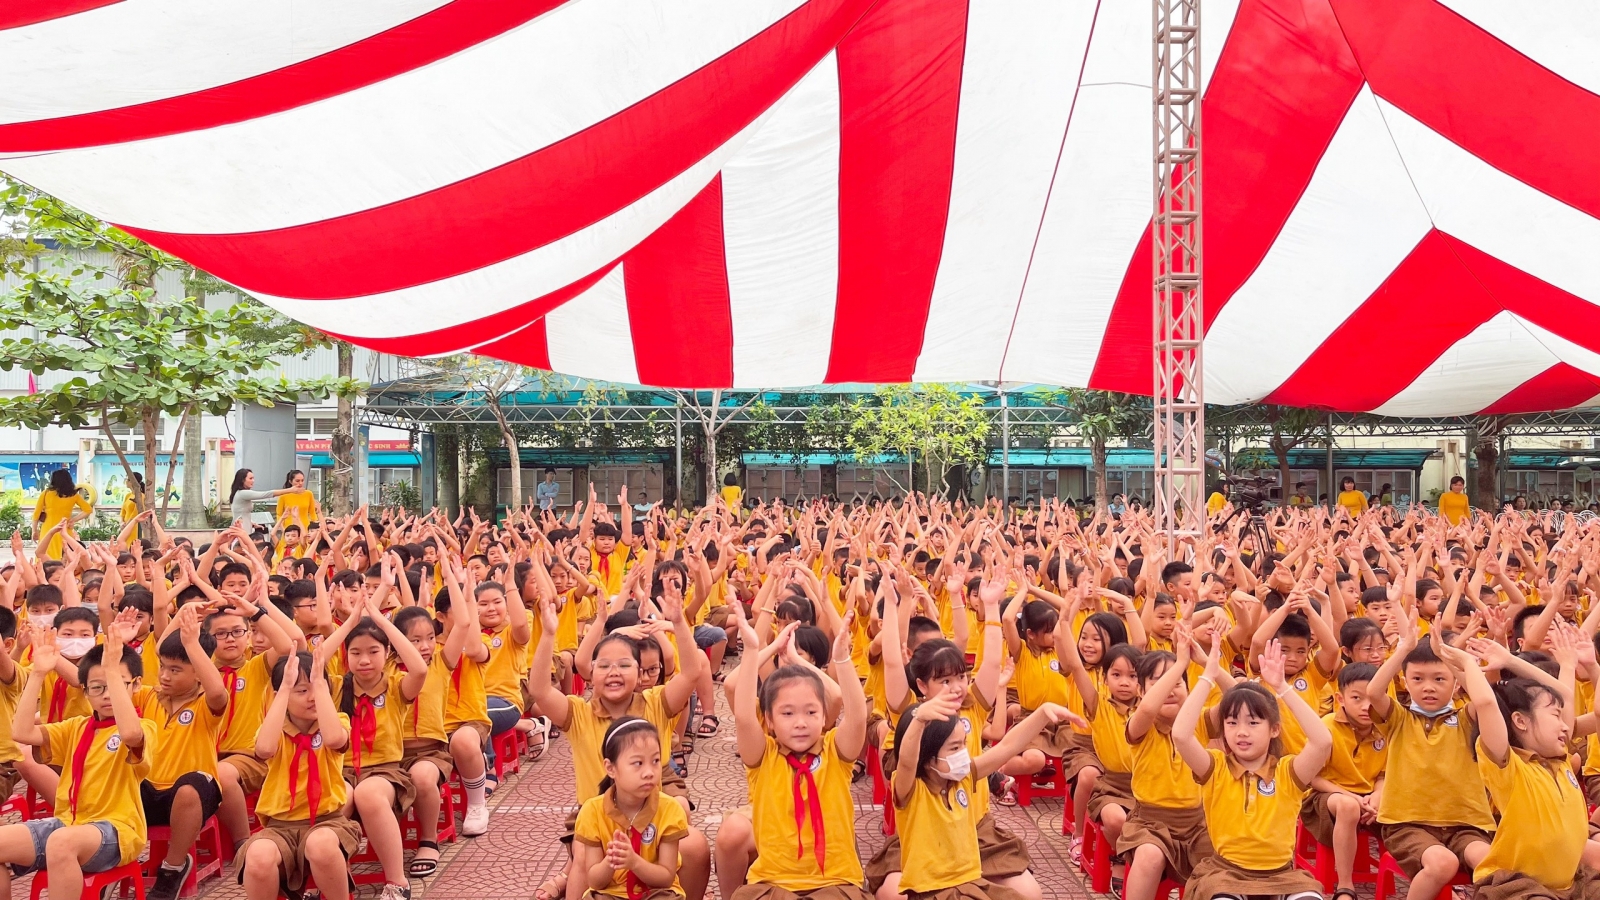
point(959, 763)
point(43, 621)
point(74, 647)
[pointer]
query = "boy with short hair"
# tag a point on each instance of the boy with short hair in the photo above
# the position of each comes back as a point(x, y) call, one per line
point(303, 826)
point(98, 822)
point(1309, 674)
point(1434, 815)
point(1349, 790)
point(181, 790)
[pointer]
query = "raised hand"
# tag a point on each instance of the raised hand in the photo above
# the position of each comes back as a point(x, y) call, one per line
point(1271, 665)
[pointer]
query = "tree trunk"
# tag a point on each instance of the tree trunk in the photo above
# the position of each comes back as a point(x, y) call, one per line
point(150, 424)
point(1487, 495)
point(449, 486)
point(1097, 453)
point(463, 474)
point(1281, 454)
point(343, 446)
point(182, 433)
point(513, 453)
point(192, 515)
point(711, 461)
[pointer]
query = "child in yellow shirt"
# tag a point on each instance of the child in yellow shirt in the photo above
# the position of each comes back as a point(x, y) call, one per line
point(934, 786)
point(377, 697)
point(99, 821)
point(1524, 723)
point(1434, 816)
point(303, 826)
point(628, 835)
point(1250, 792)
point(800, 770)
point(1347, 793)
point(181, 790)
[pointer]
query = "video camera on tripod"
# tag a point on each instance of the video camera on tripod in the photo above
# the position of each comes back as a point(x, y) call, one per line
point(1251, 492)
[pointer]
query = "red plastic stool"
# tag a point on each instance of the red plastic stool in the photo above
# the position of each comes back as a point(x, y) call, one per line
point(1389, 870)
point(250, 811)
point(121, 876)
point(409, 833)
point(880, 786)
point(1318, 859)
point(1068, 826)
point(36, 808)
point(577, 684)
point(1097, 857)
point(1057, 784)
point(507, 755)
point(365, 855)
point(18, 804)
point(207, 854)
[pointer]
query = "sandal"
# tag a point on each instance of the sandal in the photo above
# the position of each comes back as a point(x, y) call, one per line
point(1346, 892)
point(554, 888)
point(1008, 793)
point(421, 867)
point(538, 738)
point(718, 676)
point(709, 724)
point(680, 763)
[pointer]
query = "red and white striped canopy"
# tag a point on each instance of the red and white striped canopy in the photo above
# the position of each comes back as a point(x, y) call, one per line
point(1401, 195)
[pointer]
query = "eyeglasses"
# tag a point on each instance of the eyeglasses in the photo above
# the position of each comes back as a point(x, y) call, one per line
point(99, 688)
point(235, 634)
point(650, 671)
point(621, 665)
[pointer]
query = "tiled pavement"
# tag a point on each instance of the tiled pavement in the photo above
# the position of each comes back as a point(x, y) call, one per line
point(521, 849)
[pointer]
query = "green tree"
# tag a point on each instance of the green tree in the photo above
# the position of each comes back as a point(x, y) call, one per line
point(1281, 428)
point(1099, 417)
point(932, 424)
point(133, 355)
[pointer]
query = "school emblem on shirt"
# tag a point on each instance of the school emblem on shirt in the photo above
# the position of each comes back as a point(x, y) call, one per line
point(961, 797)
point(316, 741)
point(1451, 720)
point(238, 685)
point(649, 835)
point(114, 742)
point(378, 701)
point(1300, 683)
point(1055, 665)
point(1572, 778)
point(816, 763)
point(495, 643)
point(967, 724)
point(1266, 788)
point(1377, 743)
point(185, 717)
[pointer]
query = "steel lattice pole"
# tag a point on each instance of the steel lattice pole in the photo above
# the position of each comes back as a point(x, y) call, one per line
point(1179, 324)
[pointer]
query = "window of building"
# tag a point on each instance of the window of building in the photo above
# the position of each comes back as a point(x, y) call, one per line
point(1402, 482)
point(868, 481)
point(767, 483)
point(314, 427)
point(379, 480)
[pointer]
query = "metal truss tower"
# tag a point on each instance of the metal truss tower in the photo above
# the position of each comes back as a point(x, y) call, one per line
point(1179, 321)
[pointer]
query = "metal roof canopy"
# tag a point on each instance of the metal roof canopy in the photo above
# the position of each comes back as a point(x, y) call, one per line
point(428, 399)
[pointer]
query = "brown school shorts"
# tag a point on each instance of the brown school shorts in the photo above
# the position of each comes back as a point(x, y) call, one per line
point(1317, 817)
point(773, 892)
point(1004, 855)
point(405, 793)
point(1180, 833)
point(8, 779)
point(252, 771)
point(1113, 788)
point(1406, 843)
point(1215, 875)
point(436, 752)
point(1508, 885)
point(290, 839)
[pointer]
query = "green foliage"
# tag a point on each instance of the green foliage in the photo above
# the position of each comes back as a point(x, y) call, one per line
point(402, 494)
point(97, 528)
point(12, 518)
point(933, 422)
point(132, 353)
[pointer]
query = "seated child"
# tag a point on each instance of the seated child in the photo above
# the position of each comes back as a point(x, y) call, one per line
point(304, 829)
point(99, 822)
point(627, 837)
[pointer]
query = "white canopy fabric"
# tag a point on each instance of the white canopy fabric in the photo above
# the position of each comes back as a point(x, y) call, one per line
point(1401, 196)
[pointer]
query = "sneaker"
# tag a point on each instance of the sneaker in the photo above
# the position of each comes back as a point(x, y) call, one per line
point(170, 881)
point(393, 891)
point(476, 821)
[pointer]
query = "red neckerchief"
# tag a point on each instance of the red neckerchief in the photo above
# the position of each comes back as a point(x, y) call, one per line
point(801, 764)
point(303, 750)
point(230, 682)
point(363, 728)
point(605, 565)
point(80, 755)
point(636, 888)
point(58, 700)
